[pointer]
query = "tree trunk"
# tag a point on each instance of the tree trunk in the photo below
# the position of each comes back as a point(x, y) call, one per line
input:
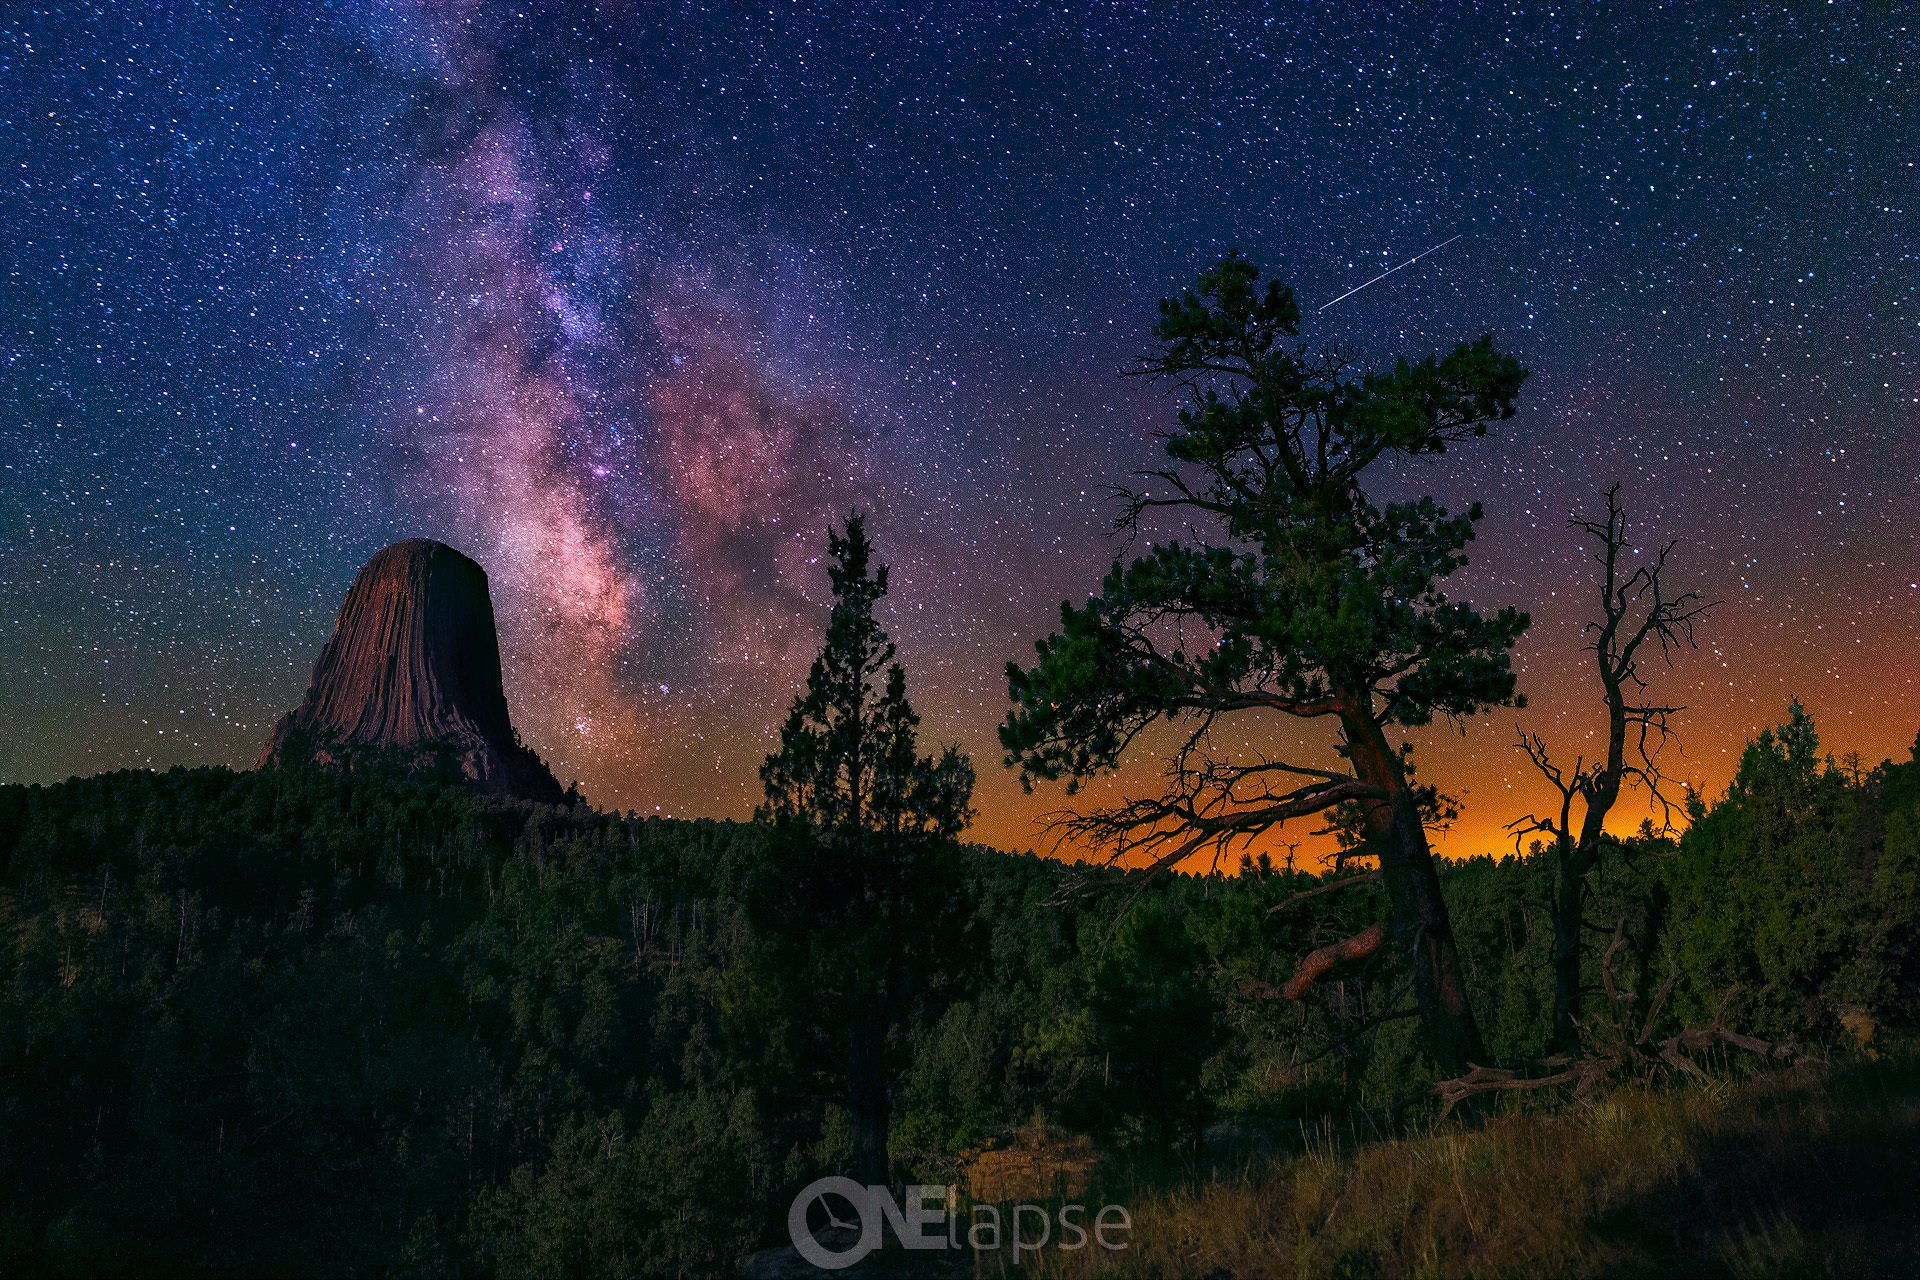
point(871, 1122)
point(1578, 858)
point(1569, 908)
point(1419, 916)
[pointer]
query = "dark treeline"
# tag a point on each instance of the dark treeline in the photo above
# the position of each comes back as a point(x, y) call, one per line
point(307, 1020)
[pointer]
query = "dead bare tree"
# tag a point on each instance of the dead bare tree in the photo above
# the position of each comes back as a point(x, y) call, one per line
point(1614, 1049)
point(1636, 611)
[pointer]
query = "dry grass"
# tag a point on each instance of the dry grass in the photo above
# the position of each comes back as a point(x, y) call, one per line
point(1037, 1164)
point(1797, 1173)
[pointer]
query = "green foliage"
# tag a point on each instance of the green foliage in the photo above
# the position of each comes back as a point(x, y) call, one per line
point(1315, 595)
point(1153, 1024)
point(667, 1199)
point(298, 1020)
point(1794, 896)
point(307, 1020)
point(1299, 596)
point(849, 756)
point(862, 853)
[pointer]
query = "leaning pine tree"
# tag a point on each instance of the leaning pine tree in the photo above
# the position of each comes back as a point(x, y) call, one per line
point(1300, 598)
point(871, 816)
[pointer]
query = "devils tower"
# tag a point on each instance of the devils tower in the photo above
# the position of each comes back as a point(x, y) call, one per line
point(414, 664)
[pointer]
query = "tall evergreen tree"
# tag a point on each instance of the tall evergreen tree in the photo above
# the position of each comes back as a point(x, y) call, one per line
point(1311, 602)
point(849, 752)
point(866, 819)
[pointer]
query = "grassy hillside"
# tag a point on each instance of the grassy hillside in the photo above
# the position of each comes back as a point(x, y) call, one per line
point(1797, 1173)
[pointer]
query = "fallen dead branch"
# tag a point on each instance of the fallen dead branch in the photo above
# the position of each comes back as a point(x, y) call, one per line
point(1613, 1052)
point(1500, 1079)
point(1698, 1039)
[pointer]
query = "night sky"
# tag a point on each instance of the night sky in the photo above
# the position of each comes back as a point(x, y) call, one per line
point(628, 304)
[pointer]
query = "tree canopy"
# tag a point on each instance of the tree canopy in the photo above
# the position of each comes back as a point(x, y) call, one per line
point(862, 819)
point(1296, 593)
point(319, 1019)
point(849, 757)
point(1308, 598)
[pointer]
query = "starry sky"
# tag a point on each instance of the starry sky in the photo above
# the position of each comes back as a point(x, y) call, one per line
point(628, 302)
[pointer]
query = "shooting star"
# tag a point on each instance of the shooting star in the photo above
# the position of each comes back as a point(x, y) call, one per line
point(1389, 271)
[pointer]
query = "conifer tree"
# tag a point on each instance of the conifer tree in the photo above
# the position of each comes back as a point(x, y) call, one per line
point(849, 752)
point(1300, 597)
point(866, 820)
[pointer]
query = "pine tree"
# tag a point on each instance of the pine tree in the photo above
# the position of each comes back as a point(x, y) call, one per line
point(1300, 597)
point(866, 825)
point(849, 752)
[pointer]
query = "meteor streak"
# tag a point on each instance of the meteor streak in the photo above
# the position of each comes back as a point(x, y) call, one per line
point(1384, 274)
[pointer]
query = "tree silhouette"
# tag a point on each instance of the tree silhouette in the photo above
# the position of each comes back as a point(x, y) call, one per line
point(1635, 609)
point(849, 756)
point(1313, 603)
point(863, 819)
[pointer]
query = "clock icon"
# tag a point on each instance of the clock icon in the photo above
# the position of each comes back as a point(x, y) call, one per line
point(832, 1223)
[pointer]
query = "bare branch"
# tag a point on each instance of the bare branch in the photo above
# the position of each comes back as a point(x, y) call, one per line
point(1316, 964)
point(1330, 886)
point(1498, 1079)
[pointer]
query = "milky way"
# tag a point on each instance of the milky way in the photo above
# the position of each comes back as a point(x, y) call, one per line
point(629, 302)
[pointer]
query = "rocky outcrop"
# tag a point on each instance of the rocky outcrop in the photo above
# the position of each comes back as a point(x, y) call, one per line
point(414, 666)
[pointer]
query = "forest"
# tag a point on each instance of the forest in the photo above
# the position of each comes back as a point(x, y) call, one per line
point(353, 1017)
point(304, 1021)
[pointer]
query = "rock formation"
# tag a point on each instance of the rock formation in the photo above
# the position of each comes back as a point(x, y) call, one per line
point(414, 665)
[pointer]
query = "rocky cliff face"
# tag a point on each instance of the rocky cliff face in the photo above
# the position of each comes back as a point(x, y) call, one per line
point(414, 664)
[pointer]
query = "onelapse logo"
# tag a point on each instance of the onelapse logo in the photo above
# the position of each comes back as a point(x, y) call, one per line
point(847, 1216)
point(835, 1222)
